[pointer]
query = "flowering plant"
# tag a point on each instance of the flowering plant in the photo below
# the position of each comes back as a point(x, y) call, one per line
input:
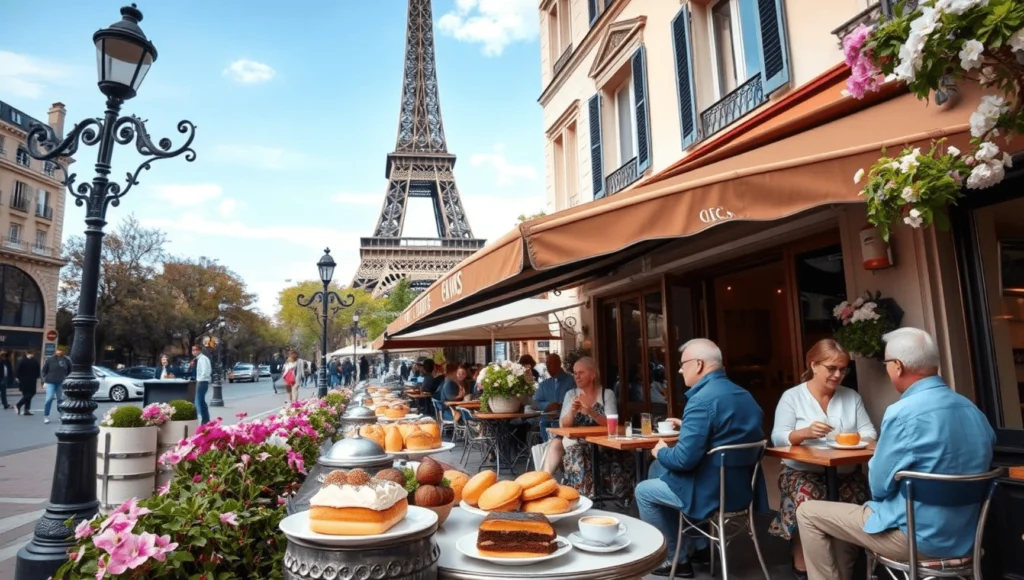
point(124, 418)
point(504, 380)
point(157, 413)
point(862, 323)
point(929, 48)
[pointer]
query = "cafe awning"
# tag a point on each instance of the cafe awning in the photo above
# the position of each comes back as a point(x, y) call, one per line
point(522, 320)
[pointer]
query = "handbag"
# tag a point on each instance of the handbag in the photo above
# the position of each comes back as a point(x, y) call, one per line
point(539, 453)
point(289, 377)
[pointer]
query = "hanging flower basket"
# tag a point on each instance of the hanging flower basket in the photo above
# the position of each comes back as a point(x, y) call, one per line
point(861, 324)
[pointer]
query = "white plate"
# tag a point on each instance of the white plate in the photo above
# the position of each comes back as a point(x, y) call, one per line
point(384, 419)
point(639, 435)
point(297, 526)
point(445, 446)
point(585, 545)
point(467, 545)
point(582, 507)
point(861, 445)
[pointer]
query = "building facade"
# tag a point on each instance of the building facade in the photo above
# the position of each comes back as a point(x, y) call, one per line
point(32, 200)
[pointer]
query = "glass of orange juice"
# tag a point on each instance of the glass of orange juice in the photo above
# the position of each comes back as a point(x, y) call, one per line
point(646, 429)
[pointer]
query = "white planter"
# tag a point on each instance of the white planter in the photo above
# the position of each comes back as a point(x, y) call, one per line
point(504, 404)
point(130, 468)
point(172, 432)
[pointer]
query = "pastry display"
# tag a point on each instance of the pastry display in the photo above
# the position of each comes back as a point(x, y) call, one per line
point(427, 486)
point(393, 440)
point(373, 432)
point(430, 425)
point(419, 440)
point(381, 411)
point(430, 472)
point(515, 535)
point(457, 480)
point(354, 504)
point(391, 474)
point(532, 492)
point(408, 437)
point(396, 410)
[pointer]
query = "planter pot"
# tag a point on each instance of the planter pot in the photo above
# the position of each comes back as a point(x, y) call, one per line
point(504, 404)
point(126, 464)
point(171, 432)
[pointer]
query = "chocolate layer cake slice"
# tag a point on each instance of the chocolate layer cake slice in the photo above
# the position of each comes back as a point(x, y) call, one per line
point(515, 535)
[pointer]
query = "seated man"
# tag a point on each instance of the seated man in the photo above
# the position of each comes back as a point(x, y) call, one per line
point(551, 392)
point(684, 478)
point(931, 429)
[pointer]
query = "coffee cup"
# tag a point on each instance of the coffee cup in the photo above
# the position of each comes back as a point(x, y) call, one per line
point(603, 529)
point(528, 409)
point(666, 427)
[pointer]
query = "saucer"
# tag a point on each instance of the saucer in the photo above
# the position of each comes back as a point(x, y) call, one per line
point(587, 546)
point(861, 445)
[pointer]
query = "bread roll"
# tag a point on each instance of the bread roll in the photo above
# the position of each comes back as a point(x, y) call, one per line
point(537, 484)
point(458, 481)
point(848, 438)
point(504, 496)
point(477, 485)
point(548, 506)
point(569, 494)
point(393, 441)
point(421, 440)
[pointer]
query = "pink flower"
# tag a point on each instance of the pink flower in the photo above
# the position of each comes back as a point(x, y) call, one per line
point(229, 518)
point(101, 567)
point(241, 415)
point(864, 74)
point(246, 459)
point(263, 456)
point(197, 478)
point(164, 546)
point(119, 523)
point(109, 539)
point(281, 500)
point(296, 462)
point(83, 529)
point(78, 555)
point(131, 509)
point(132, 552)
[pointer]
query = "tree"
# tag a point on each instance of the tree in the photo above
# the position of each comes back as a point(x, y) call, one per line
point(401, 297)
point(197, 288)
point(525, 218)
point(303, 324)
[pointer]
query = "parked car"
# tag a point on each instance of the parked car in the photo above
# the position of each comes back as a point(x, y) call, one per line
point(140, 373)
point(117, 387)
point(264, 370)
point(243, 372)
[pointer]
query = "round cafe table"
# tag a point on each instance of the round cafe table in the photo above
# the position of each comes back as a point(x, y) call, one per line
point(644, 554)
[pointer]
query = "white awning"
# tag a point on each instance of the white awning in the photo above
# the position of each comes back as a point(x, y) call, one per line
point(359, 351)
point(523, 320)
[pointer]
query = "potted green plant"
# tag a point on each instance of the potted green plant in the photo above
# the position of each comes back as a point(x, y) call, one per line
point(127, 456)
point(504, 388)
point(863, 322)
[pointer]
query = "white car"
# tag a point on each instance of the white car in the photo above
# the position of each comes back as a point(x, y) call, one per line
point(243, 372)
point(116, 387)
point(264, 370)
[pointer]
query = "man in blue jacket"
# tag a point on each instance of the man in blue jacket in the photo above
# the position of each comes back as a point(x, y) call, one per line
point(684, 478)
point(930, 429)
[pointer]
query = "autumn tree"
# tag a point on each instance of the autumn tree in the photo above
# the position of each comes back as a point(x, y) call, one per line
point(196, 289)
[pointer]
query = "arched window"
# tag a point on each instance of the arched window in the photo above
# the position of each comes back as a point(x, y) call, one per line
point(23, 301)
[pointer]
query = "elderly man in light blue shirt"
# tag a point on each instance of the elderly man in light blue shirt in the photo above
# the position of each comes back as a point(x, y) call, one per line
point(931, 429)
point(551, 392)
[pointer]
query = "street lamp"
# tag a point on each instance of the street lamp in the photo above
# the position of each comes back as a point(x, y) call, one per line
point(355, 333)
point(324, 299)
point(218, 371)
point(124, 56)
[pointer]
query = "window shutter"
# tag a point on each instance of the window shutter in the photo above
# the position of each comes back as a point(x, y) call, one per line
point(684, 77)
point(643, 118)
point(596, 159)
point(592, 10)
point(774, 46)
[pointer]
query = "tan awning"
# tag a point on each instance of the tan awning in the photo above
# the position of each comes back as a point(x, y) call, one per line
point(798, 173)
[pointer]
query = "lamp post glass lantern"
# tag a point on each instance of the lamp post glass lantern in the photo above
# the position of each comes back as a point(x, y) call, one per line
point(327, 302)
point(124, 57)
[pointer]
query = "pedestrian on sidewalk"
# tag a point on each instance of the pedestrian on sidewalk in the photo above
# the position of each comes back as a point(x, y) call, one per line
point(6, 377)
point(55, 370)
point(202, 373)
point(27, 373)
point(293, 370)
point(276, 370)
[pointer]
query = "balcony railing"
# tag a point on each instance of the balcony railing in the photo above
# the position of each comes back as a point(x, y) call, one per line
point(44, 212)
point(424, 243)
point(14, 244)
point(621, 178)
point(19, 202)
point(560, 63)
point(731, 107)
point(49, 169)
point(872, 15)
point(21, 246)
point(42, 251)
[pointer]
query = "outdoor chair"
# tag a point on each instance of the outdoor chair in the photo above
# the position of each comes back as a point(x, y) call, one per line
point(942, 491)
point(724, 526)
point(439, 416)
point(478, 436)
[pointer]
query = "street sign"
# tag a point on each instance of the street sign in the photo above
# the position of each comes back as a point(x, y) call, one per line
point(51, 336)
point(50, 349)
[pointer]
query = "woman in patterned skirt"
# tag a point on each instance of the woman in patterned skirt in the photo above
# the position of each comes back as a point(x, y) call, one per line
point(811, 413)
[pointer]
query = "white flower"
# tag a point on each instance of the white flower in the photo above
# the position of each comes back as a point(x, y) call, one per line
point(1007, 160)
point(276, 440)
point(986, 175)
point(984, 118)
point(970, 54)
point(986, 152)
point(858, 302)
point(839, 308)
point(909, 162)
point(857, 177)
point(958, 6)
point(914, 220)
point(953, 151)
point(908, 195)
point(1016, 41)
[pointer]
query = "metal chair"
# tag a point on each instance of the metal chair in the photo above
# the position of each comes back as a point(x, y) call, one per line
point(741, 455)
point(439, 416)
point(477, 435)
point(943, 491)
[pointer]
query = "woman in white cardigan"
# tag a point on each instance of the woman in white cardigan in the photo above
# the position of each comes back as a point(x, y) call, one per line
point(812, 413)
point(298, 366)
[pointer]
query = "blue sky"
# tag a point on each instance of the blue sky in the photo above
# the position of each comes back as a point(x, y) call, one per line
point(297, 107)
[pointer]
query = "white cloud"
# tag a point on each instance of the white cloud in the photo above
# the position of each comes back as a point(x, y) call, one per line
point(301, 235)
point(351, 198)
point(259, 156)
point(493, 23)
point(187, 195)
point(28, 77)
point(249, 72)
point(505, 173)
point(492, 216)
point(228, 206)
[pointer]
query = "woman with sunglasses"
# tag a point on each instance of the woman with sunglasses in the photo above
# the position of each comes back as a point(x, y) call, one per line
point(812, 413)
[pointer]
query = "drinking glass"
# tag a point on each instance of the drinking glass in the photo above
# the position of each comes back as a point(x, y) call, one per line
point(613, 425)
point(628, 429)
point(836, 423)
point(646, 428)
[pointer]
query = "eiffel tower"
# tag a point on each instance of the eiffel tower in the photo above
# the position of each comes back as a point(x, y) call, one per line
point(420, 166)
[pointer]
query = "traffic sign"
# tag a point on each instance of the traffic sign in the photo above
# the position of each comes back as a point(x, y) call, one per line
point(51, 336)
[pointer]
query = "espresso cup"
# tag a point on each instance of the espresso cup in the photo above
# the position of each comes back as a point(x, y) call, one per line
point(603, 529)
point(666, 427)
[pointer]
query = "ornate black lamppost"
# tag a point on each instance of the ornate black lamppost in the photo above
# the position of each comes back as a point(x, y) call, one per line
point(325, 298)
point(218, 371)
point(124, 57)
point(356, 333)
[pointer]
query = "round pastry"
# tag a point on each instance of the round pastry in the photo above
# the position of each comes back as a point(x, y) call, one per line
point(848, 438)
point(430, 426)
point(406, 427)
point(504, 496)
point(393, 441)
point(420, 441)
point(391, 474)
point(548, 506)
point(380, 411)
point(429, 472)
point(396, 412)
point(373, 432)
point(457, 480)
point(569, 494)
point(537, 484)
point(477, 485)
point(357, 510)
point(429, 496)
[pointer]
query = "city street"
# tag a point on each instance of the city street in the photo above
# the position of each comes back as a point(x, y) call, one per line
point(29, 450)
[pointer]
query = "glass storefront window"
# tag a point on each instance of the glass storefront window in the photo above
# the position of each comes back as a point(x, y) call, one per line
point(656, 379)
point(632, 358)
point(23, 302)
point(609, 358)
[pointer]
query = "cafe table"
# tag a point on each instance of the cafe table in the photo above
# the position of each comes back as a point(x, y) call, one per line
point(646, 551)
point(505, 440)
point(829, 458)
point(420, 398)
point(640, 446)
